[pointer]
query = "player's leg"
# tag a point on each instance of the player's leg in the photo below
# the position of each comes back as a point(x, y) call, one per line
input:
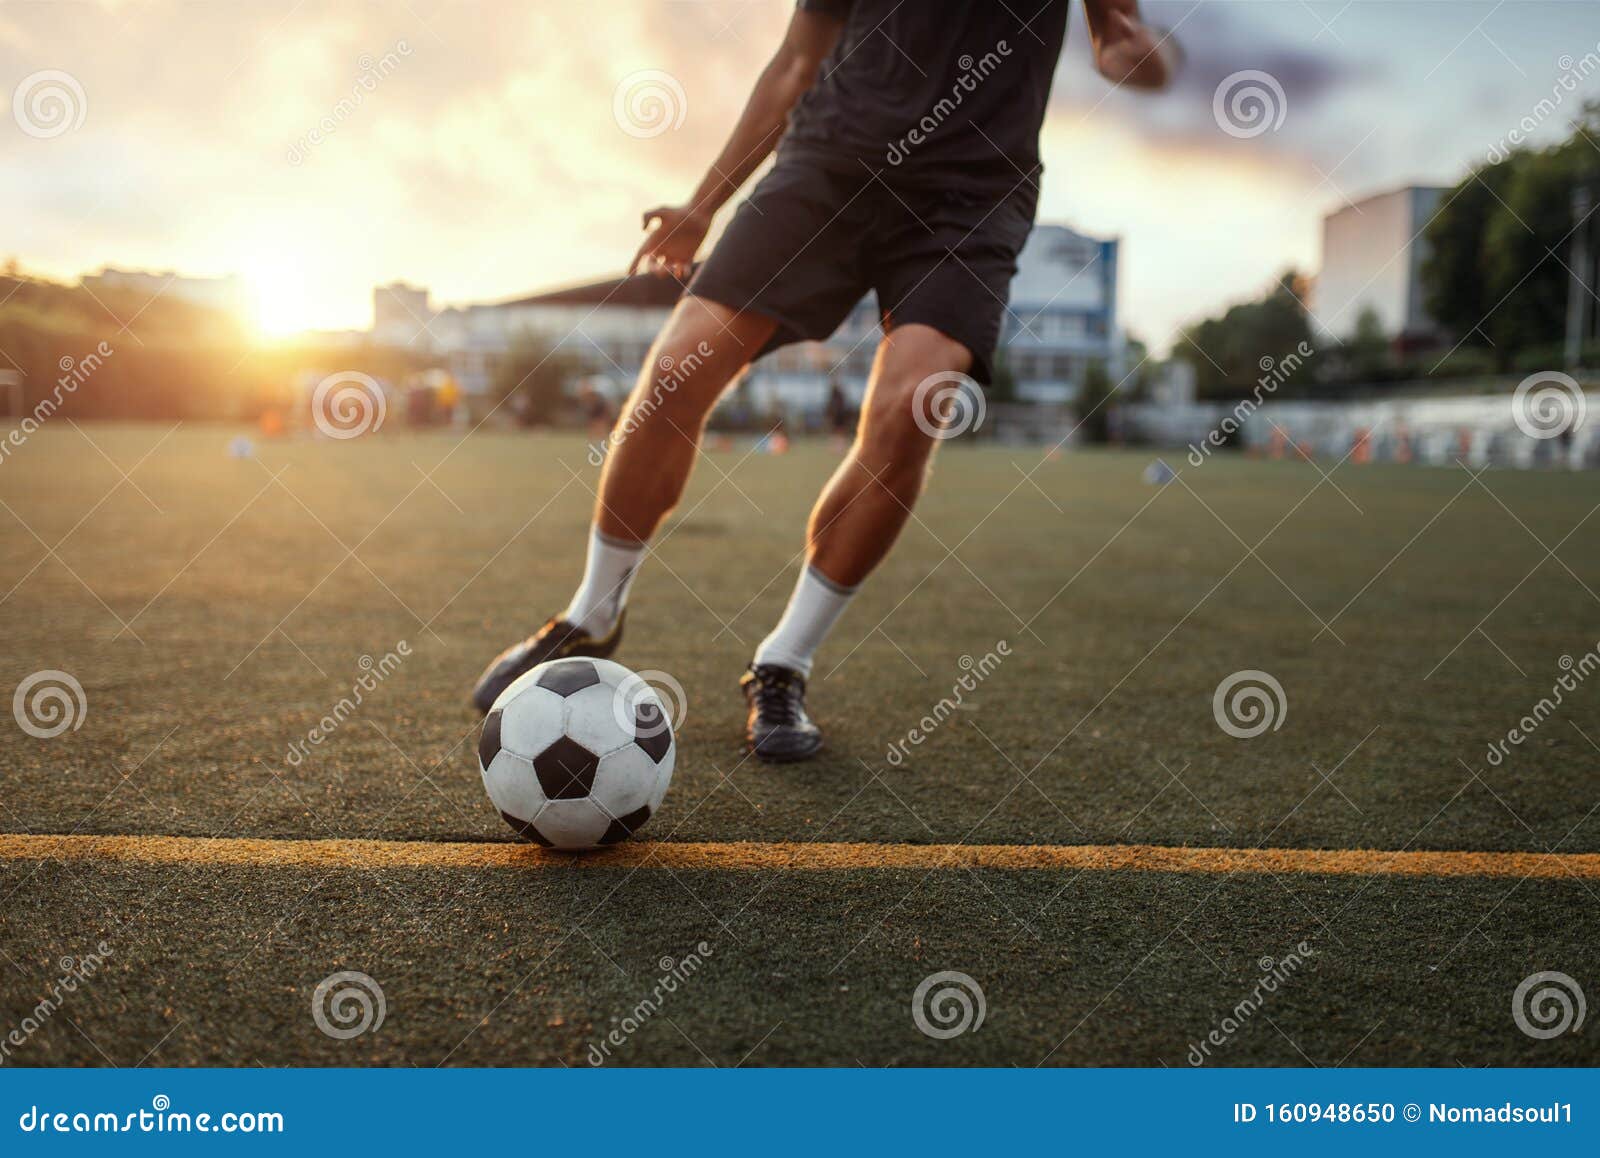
point(856, 520)
point(652, 451)
point(657, 434)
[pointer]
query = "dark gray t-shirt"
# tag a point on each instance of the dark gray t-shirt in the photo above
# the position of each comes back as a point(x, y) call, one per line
point(932, 91)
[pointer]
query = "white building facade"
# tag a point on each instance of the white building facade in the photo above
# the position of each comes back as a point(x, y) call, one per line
point(1061, 320)
point(1372, 255)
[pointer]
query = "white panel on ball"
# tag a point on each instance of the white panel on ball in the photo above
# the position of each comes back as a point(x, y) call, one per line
point(536, 722)
point(592, 720)
point(625, 781)
point(512, 786)
point(572, 823)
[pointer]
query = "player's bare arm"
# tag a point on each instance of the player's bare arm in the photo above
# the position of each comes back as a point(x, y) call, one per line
point(676, 231)
point(1126, 50)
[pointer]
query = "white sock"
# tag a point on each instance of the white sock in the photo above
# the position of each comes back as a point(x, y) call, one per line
point(606, 578)
point(813, 609)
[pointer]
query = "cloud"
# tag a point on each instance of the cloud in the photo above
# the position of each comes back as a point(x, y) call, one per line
point(1217, 41)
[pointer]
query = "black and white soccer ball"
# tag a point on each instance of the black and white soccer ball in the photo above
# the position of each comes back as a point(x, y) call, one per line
point(577, 753)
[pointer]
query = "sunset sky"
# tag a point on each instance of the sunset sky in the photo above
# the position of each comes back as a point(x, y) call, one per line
point(487, 162)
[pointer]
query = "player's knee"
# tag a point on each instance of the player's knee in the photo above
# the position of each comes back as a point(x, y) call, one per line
point(679, 383)
point(903, 418)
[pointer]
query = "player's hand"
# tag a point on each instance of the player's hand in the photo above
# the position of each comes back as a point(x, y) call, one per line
point(673, 237)
point(1134, 54)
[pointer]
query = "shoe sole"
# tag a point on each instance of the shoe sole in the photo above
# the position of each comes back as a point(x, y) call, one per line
point(783, 757)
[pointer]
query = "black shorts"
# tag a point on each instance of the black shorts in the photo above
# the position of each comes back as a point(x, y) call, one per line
point(809, 242)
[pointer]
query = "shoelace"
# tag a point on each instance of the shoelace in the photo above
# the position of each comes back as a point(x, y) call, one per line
point(777, 697)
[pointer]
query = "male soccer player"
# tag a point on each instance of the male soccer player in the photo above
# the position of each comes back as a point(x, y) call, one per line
point(907, 164)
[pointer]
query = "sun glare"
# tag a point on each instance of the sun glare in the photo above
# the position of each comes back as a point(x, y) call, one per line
point(282, 305)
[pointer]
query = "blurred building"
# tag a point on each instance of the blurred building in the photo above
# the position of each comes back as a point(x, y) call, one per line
point(1062, 317)
point(1372, 255)
point(1061, 320)
point(230, 294)
point(401, 316)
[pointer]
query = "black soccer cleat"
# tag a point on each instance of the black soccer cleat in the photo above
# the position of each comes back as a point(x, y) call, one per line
point(779, 730)
point(557, 639)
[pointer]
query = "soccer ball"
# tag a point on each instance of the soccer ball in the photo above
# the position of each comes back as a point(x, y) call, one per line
point(577, 753)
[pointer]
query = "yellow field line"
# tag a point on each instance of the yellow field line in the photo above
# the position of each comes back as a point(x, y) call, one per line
point(370, 854)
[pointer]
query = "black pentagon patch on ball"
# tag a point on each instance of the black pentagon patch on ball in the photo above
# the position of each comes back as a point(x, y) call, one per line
point(568, 676)
point(625, 826)
point(489, 740)
point(566, 770)
point(526, 829)
point(651, 732)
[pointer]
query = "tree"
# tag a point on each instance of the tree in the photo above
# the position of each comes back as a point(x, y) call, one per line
point(536, 375)
point(1366, 353)
point(1454, 288)
point(1094, 402)
point(1003, 382)
point(1227, 352)
point(1499, 240)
